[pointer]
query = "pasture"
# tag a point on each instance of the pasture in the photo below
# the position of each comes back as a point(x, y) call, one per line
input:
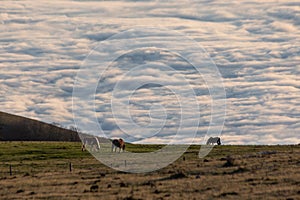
point(60, 170)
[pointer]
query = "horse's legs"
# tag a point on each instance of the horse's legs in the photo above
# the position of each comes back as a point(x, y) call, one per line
point(114, 148)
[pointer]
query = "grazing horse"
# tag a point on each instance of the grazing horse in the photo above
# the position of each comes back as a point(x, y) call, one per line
point(118, 143)
point(92, 143)
point(213, 140)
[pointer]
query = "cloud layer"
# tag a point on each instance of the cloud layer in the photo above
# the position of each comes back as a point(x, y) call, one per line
point(255, 45)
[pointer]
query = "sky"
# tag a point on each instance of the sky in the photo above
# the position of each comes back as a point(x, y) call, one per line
point(46, 46)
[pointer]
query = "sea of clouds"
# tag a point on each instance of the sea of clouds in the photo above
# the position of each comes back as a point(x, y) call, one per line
point(254, 44)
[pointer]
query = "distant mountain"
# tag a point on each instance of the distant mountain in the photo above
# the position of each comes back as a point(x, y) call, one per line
point(17, 128)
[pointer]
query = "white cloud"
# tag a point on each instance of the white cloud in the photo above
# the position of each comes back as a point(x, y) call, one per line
point(254, 44)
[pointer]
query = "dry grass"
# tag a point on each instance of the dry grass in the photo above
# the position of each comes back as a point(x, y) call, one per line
point(229, 172)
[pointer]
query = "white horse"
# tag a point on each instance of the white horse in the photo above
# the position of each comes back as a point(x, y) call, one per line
point(213, 140)
point(92, 143)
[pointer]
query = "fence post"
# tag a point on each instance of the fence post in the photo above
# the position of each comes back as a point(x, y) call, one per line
point(70, 166)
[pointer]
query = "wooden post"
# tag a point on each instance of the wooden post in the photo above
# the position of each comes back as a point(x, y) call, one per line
point(70, 166)
point(10, 171)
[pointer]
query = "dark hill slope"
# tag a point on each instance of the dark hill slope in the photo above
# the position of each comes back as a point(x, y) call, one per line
point(17, 128)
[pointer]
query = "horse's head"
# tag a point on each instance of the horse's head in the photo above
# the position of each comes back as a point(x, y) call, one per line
point(122, 144)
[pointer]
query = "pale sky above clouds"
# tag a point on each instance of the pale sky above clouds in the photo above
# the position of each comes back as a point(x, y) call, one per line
point(254, 44)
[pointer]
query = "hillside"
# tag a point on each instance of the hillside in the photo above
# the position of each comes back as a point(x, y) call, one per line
point(17, 128)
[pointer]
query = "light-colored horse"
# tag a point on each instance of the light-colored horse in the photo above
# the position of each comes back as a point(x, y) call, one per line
point(92, 143)
point(213, 140)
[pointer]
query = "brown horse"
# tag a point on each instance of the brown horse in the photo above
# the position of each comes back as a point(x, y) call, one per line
point(118, 143)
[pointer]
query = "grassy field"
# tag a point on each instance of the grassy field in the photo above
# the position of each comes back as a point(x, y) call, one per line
point(41, 170)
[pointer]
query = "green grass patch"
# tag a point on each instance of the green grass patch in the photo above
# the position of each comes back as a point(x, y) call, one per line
point(20, 151)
